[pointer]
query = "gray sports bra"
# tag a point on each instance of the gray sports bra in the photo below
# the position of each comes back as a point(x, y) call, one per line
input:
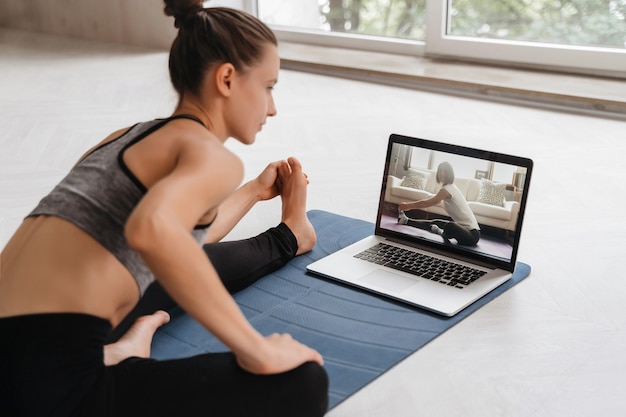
point(99, 194)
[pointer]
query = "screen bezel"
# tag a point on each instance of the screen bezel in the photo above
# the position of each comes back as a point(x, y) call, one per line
point(454, 250)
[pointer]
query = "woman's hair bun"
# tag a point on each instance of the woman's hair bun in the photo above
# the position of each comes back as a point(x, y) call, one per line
point(182, 10)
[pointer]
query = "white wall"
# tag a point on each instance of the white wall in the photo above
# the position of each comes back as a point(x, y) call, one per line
point(134, 22)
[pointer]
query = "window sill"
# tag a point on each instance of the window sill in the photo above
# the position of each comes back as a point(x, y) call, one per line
point(566, 92)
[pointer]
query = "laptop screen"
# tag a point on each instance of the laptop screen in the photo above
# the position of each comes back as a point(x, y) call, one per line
point(453, 199)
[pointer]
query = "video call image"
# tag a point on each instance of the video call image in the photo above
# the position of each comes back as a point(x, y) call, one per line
point(487, 196)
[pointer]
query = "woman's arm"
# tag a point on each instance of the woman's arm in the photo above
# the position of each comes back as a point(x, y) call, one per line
point(232, 210)
point(427, 202)
point(159, 230)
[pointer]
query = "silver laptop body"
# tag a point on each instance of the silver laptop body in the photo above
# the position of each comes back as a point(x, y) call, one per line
point(495, 187)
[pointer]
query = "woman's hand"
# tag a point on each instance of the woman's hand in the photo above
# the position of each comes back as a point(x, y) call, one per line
point(279, 353)
point(269, 182)
point(265, 186)
point(441, 195)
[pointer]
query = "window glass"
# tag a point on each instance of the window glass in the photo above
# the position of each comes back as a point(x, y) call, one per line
point(402, 19)
point(503, 173)
point(587, 36)
point(569, 22)
point(462, 166)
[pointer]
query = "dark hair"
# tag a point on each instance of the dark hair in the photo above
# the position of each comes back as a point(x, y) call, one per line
point(212, 36)
point(447, 172)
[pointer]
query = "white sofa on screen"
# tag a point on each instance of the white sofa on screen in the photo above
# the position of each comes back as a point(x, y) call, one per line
point(486, 199)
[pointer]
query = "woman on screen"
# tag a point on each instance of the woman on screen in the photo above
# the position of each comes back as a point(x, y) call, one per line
point(463, 227)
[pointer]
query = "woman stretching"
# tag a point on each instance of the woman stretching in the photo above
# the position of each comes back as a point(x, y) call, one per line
point(139, 206)
point(463, 227)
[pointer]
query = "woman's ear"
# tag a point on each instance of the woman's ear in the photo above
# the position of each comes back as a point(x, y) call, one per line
point(224, 75)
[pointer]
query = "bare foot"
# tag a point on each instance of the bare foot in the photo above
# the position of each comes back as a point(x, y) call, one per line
point(136, 341)
point(293, 194)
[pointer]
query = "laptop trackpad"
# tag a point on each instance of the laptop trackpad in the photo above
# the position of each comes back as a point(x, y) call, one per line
point(388, 280)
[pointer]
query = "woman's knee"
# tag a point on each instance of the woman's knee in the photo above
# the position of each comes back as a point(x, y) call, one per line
point(311, 382)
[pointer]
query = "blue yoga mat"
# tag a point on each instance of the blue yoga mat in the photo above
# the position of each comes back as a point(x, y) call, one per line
point(360, 335)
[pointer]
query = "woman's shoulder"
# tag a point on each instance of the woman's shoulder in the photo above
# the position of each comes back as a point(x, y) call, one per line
point(450, 188)
point(210, 158)
point(207, 146)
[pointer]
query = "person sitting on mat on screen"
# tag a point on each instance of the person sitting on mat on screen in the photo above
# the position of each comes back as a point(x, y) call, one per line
point(463, 227)
point(140, 205)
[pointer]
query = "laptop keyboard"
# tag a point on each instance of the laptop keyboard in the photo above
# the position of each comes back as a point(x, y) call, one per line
point(435, 269)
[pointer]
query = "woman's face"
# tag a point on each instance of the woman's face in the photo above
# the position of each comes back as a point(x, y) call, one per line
point(251, 100)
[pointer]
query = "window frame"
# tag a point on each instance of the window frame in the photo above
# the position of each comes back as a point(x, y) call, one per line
point(600, 61)
point(572, 58)
point(349, 41)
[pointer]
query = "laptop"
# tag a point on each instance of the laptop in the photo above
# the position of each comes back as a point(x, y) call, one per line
point(409, 260)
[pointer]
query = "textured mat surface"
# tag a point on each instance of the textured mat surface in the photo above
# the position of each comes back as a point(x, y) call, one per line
point(359, 334)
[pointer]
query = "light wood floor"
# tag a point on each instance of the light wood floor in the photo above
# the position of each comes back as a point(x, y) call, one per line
point(552, 346)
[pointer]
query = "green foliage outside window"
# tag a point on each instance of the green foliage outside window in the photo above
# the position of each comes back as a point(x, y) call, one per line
point(392, 18)
point(571, 22)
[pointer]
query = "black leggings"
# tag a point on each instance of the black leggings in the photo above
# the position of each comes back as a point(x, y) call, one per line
point(52, 364)
point(238, 263)
point(451, 230)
